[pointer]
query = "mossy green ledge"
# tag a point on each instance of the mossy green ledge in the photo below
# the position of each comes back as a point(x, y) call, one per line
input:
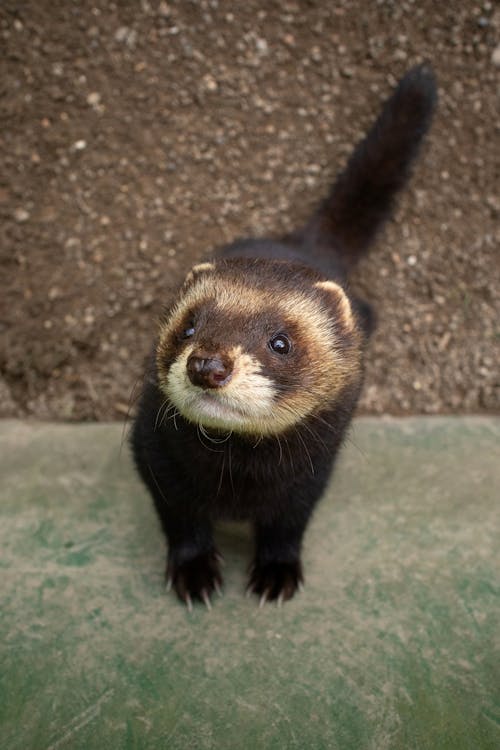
point(392, 644)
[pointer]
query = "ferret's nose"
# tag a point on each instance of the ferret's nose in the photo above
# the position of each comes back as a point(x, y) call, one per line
point(208, 371)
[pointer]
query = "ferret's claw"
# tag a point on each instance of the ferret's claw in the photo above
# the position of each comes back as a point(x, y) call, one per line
point(168, 585)
point(219, 558)
point(189, 603)
point(217, 588)
point(206, 599)
point(280, 599)
point(263, 598)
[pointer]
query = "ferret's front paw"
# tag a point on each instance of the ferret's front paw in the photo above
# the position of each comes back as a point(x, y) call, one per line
point(197, 578)
point(275, 581)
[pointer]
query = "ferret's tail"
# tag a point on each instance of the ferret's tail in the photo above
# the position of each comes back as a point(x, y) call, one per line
point(362, 197)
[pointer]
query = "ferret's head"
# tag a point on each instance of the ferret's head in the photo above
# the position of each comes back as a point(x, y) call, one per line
point(256, 346)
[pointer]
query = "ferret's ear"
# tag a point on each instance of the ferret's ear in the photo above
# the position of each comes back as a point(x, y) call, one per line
point(339, 301)
point(196, 271)
point(366, 316)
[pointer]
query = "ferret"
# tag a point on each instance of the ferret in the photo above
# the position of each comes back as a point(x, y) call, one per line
point(258, 366)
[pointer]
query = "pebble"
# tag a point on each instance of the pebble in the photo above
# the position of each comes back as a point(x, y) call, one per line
point(21, 215)
point(122, 33)
point(495, 57)
point(444, 341)
point(164, 9)
point(262, 45)
point(127, 36)
point(94, 99)
point(80, 145)
point(209, 83)
point(316, 54)
point(54, 293)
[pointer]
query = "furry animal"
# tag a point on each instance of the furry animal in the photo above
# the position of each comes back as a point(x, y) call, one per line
point(258, 366)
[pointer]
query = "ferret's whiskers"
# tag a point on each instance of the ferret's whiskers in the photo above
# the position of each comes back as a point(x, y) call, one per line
point(156, 483)
point(281, 450)
point(221, 477)
point(290, 456)
point(306, 451)
point(166, 405)
point(211, 439)
point(174, 419)
point(230, 469)
point(314, 435)
point(361, 452)
point(202, 433)
point(170, 414)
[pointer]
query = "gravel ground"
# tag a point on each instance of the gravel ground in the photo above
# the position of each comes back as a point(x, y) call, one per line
point(138, 136)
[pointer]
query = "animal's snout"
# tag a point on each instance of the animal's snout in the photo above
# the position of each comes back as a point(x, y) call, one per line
point(209, 370)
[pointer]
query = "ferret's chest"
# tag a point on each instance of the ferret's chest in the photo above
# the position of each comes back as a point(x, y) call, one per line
point(245, 480)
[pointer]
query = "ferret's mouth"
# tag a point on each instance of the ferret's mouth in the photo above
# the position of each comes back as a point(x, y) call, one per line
point(212, 406)
point(220, 411)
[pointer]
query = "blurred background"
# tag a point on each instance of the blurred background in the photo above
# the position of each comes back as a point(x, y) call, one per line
point(138, 136)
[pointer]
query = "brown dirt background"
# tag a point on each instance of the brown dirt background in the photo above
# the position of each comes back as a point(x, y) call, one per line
point(137, 136)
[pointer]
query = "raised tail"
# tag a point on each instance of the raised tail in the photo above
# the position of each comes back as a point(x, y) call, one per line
point(363, 195)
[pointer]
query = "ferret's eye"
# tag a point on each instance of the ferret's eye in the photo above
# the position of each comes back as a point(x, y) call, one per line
point(188, 332)
point(280, 344)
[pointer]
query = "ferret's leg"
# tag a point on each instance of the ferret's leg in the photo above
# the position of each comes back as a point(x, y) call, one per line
point(277, 571)
point(192, 560)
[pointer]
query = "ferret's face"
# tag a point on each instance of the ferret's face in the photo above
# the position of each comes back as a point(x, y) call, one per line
point(252, 348)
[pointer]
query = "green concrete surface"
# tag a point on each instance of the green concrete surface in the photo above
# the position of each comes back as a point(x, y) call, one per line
point(392, 644)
